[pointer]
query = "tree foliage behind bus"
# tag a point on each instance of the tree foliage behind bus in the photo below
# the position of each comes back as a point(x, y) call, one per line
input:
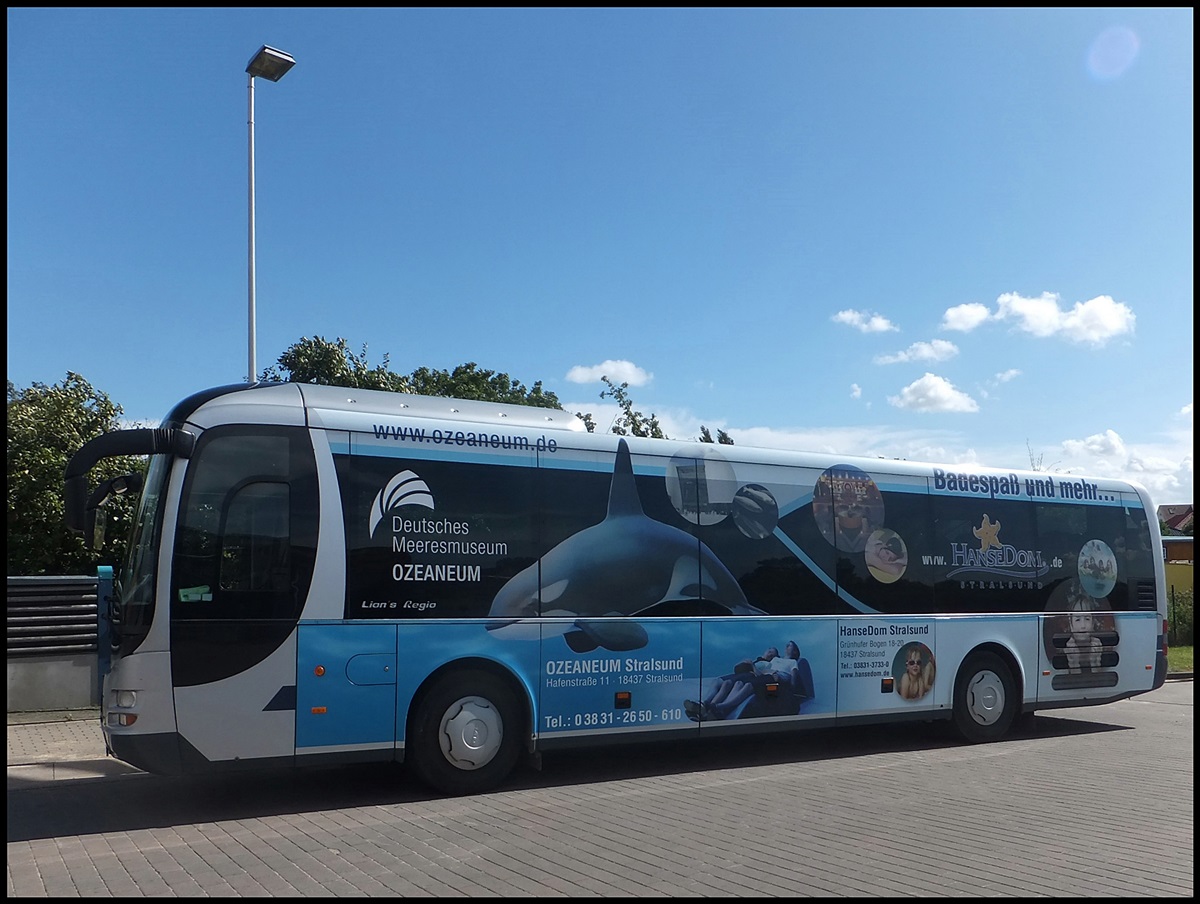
point(46, 426)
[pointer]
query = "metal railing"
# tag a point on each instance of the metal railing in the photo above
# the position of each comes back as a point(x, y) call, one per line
point(52, 615)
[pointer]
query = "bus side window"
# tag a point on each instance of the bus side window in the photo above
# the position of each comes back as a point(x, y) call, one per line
point(255, 553)
point(1061, 533)
point(1139, 561)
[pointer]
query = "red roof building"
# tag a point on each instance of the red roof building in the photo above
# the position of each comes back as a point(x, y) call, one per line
point(1176, 519)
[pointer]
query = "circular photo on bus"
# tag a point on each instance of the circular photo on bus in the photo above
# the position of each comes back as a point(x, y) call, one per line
point(847, 507)
point(1097, 568)
point(755, 511)
point(701, 485)
point(886, 555)
point(914, 671)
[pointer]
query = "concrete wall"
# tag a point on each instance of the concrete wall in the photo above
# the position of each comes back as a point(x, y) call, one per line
point(53, 682)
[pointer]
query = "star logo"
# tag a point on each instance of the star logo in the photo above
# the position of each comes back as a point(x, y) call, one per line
point(987, 534)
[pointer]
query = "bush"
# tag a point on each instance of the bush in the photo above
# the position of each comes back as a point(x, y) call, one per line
point(1181, 616)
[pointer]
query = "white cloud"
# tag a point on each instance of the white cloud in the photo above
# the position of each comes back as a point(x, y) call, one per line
point(932, 393)
point(617, 371)
point(937, 350)
point(1093, 322)
point(1108, 443)
point(855, 391)
point(869, 442)
point(1098, 320)
point(1038, 316)
point(965, 317)
point(1164, 469)
point(1004, 376)
point(1152, 465)
point(865, 322)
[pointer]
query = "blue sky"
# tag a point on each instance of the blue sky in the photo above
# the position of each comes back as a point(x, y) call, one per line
point(961, 236)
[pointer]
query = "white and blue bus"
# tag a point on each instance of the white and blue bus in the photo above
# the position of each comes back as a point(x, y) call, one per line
point(325, 575)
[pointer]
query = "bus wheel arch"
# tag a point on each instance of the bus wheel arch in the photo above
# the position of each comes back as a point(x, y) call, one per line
point(466, 728)
point(987, 694)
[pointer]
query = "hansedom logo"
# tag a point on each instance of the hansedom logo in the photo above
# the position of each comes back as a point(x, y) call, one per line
point(994, 557)
point(406, 488)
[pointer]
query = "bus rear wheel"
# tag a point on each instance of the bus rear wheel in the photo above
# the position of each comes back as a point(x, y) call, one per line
point(985, 698)
point(465, 735)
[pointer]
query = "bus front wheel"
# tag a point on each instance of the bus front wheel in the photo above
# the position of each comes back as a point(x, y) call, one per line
point(985, 697)
point(465, 734)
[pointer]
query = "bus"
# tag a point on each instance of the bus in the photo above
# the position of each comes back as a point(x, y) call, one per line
point(322, 575)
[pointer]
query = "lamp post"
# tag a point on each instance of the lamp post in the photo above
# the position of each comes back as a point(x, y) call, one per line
point(272, 64)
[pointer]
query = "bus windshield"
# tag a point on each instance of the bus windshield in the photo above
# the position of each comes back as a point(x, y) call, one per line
point(133, 608)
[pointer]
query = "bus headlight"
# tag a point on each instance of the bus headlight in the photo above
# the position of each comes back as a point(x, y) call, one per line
point(126, 699)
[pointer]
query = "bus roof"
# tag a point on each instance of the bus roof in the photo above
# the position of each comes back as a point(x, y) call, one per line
point(315, 404)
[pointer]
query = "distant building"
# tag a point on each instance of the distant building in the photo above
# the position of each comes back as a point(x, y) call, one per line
point(1179, 565)
point(1178, 549)
point(1176, 519)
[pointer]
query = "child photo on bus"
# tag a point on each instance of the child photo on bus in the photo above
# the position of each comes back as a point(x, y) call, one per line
point(919, 672)
point(1083, 646)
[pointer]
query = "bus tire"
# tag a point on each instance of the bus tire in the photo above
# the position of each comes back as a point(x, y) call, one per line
point(465, 735)
point(985, 698)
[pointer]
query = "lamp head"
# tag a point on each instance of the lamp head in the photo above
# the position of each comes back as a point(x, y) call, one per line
point(270, 63)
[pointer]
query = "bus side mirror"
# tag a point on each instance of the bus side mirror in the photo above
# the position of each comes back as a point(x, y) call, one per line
point(93, 534)
point(143, 441)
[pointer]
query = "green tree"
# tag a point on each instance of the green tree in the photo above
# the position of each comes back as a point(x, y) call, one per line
point(46, 426)
point(631, 422)
point(469, 381)
point(722, 437)
point(318, 360)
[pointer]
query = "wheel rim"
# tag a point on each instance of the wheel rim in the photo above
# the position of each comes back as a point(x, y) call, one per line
point(471, 732)
point(985, 697)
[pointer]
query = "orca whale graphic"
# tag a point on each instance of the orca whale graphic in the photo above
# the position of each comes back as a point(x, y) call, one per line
point(628, 564)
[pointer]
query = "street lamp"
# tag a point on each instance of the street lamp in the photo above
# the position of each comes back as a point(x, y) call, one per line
point(272, 64)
